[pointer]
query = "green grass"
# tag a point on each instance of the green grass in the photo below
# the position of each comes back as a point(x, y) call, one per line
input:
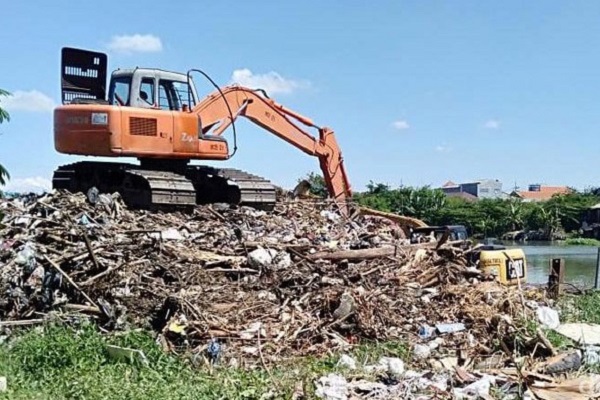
point(582, 242)
point(581, 308)
point(58, 362)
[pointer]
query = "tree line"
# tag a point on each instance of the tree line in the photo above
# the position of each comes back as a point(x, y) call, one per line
point(484, 217)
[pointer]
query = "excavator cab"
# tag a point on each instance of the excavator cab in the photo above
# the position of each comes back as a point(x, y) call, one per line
point(83, 81)
point(145, 114)
point(152, 88)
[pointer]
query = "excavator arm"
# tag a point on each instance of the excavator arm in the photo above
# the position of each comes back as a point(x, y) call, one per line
point(218, 111)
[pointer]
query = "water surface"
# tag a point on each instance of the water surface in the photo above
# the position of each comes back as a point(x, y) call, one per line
point(580, 262)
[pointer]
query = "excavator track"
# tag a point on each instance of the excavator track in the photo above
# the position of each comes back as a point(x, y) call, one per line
point(162, 188)
point(243, 188)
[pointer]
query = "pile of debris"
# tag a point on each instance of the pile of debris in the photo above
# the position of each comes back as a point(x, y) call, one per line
point(241, 285)
point(302, 278)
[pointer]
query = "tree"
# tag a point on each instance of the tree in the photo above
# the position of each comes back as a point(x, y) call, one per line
point(515, 214)
point(4, 116)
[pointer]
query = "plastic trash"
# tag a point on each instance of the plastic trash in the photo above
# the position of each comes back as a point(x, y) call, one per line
point(261, 258)
point(26, 257)
point(84, 220)
point(450, 328)
point(591, 355)
point(392, 365)
point(282, 260)
point(426, 332)
point(479, 388)
point(332, 387)
point(347, 362)
point(548, 317)
point(421, 351)
point(213, 350)
point(171, 234)
point(331, 216)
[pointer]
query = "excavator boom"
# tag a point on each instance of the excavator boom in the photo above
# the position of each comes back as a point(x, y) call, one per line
point(213, 111)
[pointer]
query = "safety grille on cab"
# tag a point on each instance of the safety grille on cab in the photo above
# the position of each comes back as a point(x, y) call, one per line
point(142, 126)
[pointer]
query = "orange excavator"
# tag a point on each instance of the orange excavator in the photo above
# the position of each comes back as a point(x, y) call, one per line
point(157, 117)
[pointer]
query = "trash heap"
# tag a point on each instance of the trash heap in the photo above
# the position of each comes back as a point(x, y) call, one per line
point(238, 286)
point(243, 286)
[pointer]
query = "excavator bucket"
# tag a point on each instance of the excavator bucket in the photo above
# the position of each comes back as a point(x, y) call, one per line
point(83, 76)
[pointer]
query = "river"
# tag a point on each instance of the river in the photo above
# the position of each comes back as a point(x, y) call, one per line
point(580, 262)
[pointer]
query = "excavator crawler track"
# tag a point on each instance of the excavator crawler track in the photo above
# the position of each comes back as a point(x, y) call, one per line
point(165, 189)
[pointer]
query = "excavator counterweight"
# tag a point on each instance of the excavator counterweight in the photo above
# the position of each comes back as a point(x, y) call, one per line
point(157, 117)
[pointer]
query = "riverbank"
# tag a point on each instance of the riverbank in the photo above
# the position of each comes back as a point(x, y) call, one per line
point(582, 242)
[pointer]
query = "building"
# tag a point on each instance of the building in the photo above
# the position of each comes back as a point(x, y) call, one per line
point(537, 192)
point(481, 189)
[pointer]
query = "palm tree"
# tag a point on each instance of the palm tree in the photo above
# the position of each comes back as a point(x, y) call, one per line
point(515, 213)
point(4, 116)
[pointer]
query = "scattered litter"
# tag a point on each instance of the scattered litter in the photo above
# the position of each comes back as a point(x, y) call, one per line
point(3, 384)
point(332, 387)
point(213, 350)
point(426, 331)
point(421, 351)
point(548, 317)
point(347, 361)
point(261, 258)
point(392, 365)
point(450, 328)
point(591, 355)
point(475, 390)
point(125, 354)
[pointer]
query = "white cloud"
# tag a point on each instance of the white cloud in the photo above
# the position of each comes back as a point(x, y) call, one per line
point(36, 184)
point(135, 44)
point(492, 124)
point(32, 100)
point(271, 82)
point(443, 149)
point(400, 125)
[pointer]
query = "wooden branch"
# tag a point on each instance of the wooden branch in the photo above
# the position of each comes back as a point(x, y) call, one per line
point(88, 245)
point(22, 322)
point(378, 252)
point(71, 281)
point(82, 308)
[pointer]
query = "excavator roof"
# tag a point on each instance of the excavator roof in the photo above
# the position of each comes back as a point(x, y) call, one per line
point(170, 75)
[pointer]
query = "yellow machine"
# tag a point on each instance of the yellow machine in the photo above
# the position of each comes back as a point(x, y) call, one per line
point(509, 266)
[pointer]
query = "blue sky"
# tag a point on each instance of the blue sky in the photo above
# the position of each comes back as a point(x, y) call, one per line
point(417, 92)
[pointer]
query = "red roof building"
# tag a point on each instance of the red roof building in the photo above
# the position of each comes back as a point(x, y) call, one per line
point(541, 193)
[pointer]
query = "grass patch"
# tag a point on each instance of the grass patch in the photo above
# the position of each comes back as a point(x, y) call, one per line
point(58, 362)
point(557, 340)
point(582, 242)
point(581, 308)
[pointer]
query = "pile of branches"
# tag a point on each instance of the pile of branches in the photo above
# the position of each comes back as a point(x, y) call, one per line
point(299, 280)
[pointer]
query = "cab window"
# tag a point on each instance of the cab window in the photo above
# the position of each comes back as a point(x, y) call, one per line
point(147, 91)
point(172, 95)
point(119, 91)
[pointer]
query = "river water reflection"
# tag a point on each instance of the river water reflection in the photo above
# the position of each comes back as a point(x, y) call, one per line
point(580, 262)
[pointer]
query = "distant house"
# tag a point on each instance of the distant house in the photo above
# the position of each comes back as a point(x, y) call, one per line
point(540, 193)
point(462, 195)
point(481, 189)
